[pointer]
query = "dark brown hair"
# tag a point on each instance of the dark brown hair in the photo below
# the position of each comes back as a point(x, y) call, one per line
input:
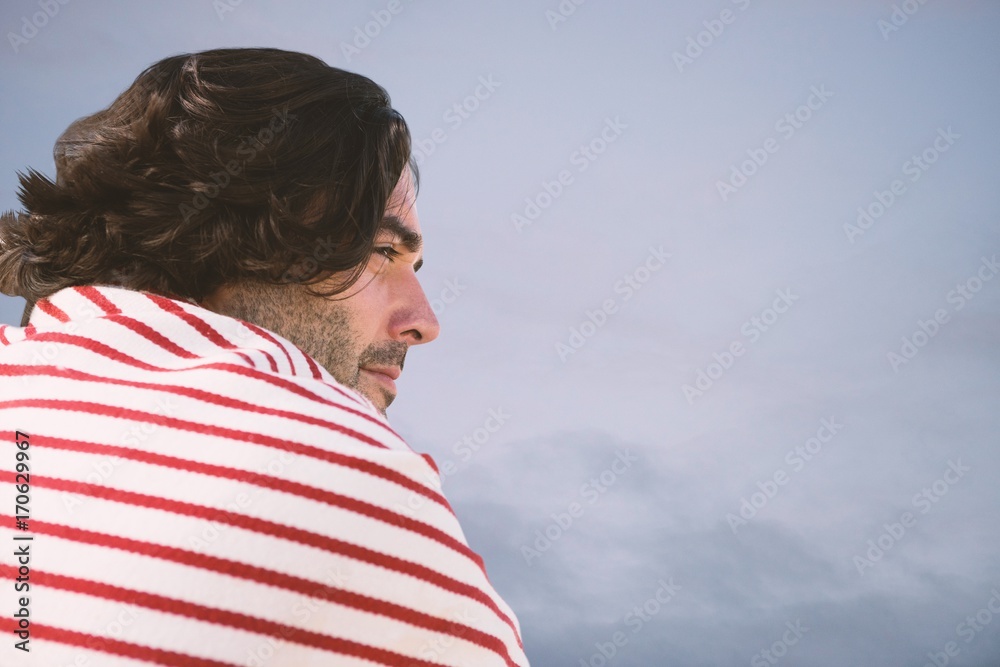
point(212, 168)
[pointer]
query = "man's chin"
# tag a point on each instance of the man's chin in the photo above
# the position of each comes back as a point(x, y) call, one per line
point(381, 404)
point(382, 400)
point(379, 395)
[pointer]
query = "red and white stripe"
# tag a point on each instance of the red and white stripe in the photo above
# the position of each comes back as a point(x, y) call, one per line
point(204, 493)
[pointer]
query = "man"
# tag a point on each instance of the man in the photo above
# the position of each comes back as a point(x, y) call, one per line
point(223, 285)
point(361, 340)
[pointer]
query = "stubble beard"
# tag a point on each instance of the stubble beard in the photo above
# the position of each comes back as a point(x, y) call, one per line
point(323, 332)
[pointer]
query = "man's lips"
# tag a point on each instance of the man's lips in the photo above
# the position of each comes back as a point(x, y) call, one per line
point(392, 371)
point(384, 375)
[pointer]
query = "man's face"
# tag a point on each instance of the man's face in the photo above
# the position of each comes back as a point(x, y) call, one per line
point(360, 336)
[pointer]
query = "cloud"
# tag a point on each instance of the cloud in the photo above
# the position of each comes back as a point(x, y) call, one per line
point(659, 522)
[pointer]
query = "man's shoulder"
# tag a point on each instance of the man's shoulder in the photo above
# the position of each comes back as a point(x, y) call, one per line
point(102, 335)
point(157, 329)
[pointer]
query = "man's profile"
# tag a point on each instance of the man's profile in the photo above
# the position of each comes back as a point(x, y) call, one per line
point(361, 339)
point(221, 283)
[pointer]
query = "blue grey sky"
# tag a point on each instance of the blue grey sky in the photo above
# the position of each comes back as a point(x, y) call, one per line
point(693, 410)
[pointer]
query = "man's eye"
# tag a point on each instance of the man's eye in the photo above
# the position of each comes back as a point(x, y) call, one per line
point(387, 251)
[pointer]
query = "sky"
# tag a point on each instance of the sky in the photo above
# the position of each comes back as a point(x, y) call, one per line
point(717, 381)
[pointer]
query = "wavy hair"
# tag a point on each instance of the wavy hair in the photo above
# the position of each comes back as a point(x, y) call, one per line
point(213, 168)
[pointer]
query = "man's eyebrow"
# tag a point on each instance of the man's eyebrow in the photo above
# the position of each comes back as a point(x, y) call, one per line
point(410, 239)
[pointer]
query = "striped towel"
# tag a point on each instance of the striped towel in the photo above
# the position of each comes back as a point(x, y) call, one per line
point(202, 492)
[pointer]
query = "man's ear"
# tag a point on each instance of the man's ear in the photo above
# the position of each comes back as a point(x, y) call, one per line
point(216, 300)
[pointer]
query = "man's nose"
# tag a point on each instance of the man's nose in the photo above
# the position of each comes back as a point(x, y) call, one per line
point(420, 324)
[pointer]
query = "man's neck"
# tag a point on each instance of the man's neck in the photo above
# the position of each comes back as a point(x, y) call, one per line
point(26, 315)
